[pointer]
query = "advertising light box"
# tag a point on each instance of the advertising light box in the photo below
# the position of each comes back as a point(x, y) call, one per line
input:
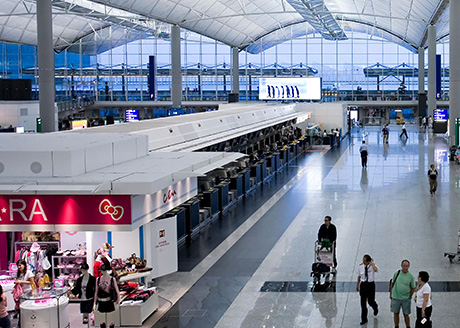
point(132, 115)
point(290, 88)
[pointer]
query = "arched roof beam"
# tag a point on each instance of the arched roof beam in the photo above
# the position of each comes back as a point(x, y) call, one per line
point(434, 19)
point(406, 44)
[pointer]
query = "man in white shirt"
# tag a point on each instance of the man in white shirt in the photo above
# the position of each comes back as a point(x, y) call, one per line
point(403, 131)
point(366, 286)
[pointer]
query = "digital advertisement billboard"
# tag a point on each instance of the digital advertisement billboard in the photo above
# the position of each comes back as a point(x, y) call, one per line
point(290, 88)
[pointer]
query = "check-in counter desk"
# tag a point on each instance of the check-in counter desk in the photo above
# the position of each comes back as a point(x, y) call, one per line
point(192, 216)
point(277, 161)
point(236, 184)
point(294, 147)
point(256, 172)
point(222, 188)
point(271, 163)
point(179, 213)
point(211, 200)
point(284, 156)
point(246, 173)
point(302, 144)
point(263, 169)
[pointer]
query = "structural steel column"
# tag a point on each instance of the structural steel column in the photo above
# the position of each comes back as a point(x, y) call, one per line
point(431, 69)
point(46, 84)
point(421, 70)
point(176, 72)
point(454, 66)
point(235, 70)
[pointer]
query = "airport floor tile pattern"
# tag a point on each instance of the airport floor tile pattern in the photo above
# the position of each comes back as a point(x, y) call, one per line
point(384, 210)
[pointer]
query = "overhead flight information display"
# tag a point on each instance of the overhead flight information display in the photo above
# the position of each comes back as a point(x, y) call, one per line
point(290, 88)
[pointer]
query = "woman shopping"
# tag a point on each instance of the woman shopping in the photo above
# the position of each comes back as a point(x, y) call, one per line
point(423, 301)
point(24, 283)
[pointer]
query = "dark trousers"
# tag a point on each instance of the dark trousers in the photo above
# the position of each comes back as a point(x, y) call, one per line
point(367, 294)
point(404, 132)
point(364, 159)
point(428, 311)
point(5, 322)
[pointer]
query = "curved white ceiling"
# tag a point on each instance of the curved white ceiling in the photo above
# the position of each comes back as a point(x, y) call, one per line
point(238, 23)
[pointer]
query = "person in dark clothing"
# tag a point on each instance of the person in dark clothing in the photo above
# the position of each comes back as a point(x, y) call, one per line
point(328, 231)
point(363, 152)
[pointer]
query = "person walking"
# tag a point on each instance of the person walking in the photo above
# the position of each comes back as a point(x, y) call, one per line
point(328, 234)
point(403, 131)
point(433, 179)
point(402, 288)
point(423, 301)
point(363, 152)
point(385, 133)
point(366, 286)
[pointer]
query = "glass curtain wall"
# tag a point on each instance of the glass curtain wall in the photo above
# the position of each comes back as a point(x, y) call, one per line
point(363, 67)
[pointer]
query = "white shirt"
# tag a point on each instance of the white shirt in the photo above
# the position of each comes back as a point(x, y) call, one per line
point(361, 271)
point(426, 289)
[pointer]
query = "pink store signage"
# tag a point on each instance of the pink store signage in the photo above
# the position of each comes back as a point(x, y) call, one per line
point(65, 210)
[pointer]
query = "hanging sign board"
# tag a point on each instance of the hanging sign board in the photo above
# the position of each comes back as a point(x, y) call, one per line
point(62, 212)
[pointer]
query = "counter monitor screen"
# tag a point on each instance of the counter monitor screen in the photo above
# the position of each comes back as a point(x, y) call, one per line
point(290, 88)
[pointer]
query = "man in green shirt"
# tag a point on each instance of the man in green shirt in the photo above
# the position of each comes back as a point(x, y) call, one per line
point(401, 289)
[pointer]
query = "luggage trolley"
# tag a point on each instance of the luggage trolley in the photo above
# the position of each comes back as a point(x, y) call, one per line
point(454, 257)
point(324, 261)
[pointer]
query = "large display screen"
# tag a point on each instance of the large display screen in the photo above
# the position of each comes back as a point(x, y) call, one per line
point(132, 115)
point(290, 88)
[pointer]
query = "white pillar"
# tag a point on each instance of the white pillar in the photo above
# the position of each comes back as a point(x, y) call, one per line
point(176, 72)
point(46, 84)
point(421, 70)
point(235, 70)
point(432, 69)
point(454, 66)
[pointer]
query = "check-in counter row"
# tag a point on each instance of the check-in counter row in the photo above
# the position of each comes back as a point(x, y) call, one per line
point(209, 204)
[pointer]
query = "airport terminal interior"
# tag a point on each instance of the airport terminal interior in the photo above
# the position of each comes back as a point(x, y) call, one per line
point(169, 164)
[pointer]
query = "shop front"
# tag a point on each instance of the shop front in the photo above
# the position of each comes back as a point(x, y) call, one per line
point(56, 234)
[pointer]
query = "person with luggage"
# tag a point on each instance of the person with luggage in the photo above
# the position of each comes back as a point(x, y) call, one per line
point(366, 286)
point(402, 287)
point(433, 179)
point(363, 152)
point(327, 235)
point(423, 301)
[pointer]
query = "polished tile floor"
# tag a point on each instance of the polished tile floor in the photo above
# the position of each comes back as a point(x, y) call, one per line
point(384, 210)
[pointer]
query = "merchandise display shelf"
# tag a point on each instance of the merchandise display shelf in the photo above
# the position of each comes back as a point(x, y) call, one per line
point(135, 276)
point(136, 314)
point(45, 308)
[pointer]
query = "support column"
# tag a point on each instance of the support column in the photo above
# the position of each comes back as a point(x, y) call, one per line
point(454, 66)
point(421, 110)
point(421, 70)
point(46, 84)
point(431, 69)
point(235, 70)
point(176, 72)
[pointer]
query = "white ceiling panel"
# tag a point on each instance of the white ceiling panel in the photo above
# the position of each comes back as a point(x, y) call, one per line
point(237, 23)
